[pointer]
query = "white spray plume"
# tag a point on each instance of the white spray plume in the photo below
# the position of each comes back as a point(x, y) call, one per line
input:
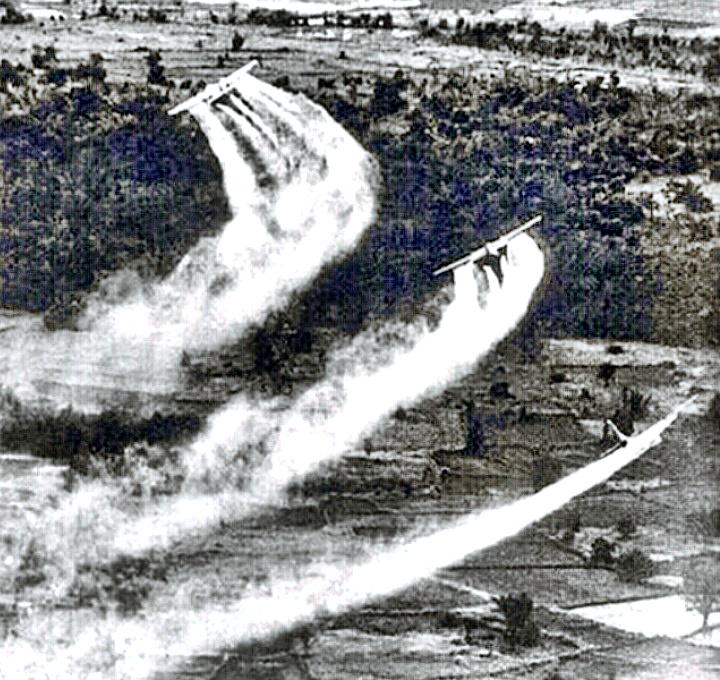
point(335, 588)
point(301, 191)
point(323, 589)
point(331, 417)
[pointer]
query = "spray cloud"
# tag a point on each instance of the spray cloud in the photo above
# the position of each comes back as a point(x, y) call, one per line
point(326, 421)
point(321, 590)
point(301, 191)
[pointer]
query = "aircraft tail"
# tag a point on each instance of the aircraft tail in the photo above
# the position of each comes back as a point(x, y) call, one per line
point(622, 438)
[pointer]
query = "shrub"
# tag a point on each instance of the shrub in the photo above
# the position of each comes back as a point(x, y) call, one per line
point(386, 98)
point(626, 527)
point(57, 76)
point(384, 20)
point(634, 566)
point(500, 390)
point(520, 627)
point(157, 15)
point(572, 523)
point(690, 195)
point(602, 553)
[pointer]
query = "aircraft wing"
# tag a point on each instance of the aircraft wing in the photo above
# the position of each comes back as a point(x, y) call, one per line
point(214, 90)
point(490, 248)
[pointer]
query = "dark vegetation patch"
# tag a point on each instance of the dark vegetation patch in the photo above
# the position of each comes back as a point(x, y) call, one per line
point(93, 179)
point(85, 440)
point(463, 162)
point(633, 566)
point(623, 46)
point(520, 627)
point(713, 414)
point(122, 584)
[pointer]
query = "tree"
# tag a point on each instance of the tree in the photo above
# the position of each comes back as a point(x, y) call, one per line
point(606, 372)
point(12, 16)
point(237, 42)
point(9, 74)
point(633, 566)
point(602, 553)
point(156, 71)
point(520, 627)
point(702, 586)
point(714, 411)
point(386, 98)
point(626, 527)
point(474, 431)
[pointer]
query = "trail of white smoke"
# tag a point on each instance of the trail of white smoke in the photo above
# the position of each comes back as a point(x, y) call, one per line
point(335, 588)
point(331, 417)
point(325, 589)
point(301, 190)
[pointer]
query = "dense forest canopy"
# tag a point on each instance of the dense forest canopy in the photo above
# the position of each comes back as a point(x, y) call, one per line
point(92, 182)
point(95, 178)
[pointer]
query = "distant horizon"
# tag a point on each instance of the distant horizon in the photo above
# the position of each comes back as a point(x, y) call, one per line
point(688, 12)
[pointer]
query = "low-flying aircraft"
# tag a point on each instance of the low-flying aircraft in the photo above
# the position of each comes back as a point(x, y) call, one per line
point(652, 435)
point(214, 90)
point(491, 252)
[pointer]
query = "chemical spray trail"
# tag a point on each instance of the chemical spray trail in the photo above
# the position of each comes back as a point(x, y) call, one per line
point(367, 381)
point(301, 192)
point(322, 590)
point(334, 588)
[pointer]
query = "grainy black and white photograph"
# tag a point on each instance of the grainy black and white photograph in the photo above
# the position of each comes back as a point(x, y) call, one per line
point(359, 339)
